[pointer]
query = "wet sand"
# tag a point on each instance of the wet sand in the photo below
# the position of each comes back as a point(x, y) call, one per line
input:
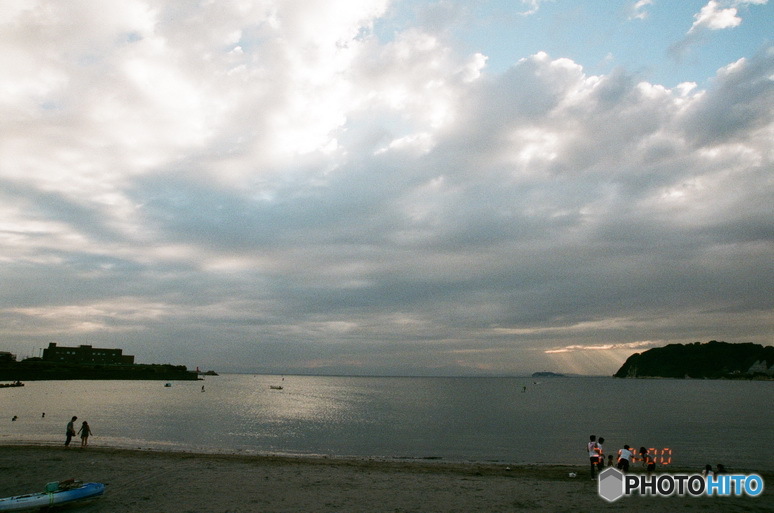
point(160, 482)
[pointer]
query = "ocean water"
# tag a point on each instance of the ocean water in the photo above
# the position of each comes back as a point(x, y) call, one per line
point(693, 422)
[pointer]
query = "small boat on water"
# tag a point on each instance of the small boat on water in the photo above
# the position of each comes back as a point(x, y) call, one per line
point(56, 493)
point(14, 384)
point(275, 387)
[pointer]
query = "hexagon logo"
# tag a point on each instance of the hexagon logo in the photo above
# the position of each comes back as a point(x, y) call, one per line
point(610, 485)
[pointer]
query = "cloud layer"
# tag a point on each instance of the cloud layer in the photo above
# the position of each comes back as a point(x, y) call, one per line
point(269, 186)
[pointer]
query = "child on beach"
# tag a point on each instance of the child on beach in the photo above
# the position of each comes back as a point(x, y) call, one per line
point(593, 456)
point(648, 460)
point(85, 431)
point(600, 454)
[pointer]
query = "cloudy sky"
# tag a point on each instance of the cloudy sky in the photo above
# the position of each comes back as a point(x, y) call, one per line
point(453, 187)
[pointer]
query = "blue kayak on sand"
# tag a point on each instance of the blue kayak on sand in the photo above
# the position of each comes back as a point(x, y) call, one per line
point(55, 496)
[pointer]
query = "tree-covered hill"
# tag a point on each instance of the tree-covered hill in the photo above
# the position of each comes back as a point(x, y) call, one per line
point(712, 360)
point(36, 370)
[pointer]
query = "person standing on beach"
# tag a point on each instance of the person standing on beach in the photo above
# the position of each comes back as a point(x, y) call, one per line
point(70, 431)
point(592, 450)
point(85, 431)
point(648, 460)
point(624, 457)
point(600, 454)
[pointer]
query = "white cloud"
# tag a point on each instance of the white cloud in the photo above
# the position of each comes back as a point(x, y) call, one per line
point(638, 10)
point(718, 15)
point(713, 17)
point(532, 6)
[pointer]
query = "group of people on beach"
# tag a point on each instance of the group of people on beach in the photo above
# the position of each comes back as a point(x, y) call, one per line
point(625, 456)
point(84, 431)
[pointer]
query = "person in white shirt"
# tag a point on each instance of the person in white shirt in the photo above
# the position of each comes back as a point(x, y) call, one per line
point(624, 458)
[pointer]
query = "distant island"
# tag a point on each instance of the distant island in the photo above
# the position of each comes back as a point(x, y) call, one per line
point(713, 360)
point(545, 374)
point(87, 362)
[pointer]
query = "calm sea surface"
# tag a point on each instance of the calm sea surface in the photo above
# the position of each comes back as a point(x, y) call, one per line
point(452, 419)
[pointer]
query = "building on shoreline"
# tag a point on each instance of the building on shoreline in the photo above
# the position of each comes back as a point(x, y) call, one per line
point(86, 354)
point(87, 362)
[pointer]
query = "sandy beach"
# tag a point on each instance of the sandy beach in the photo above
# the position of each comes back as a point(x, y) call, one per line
point(152, 481)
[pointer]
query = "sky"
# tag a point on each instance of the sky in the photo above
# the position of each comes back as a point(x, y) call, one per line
point(375, 187)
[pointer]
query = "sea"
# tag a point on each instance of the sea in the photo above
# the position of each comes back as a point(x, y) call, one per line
point(687, 423)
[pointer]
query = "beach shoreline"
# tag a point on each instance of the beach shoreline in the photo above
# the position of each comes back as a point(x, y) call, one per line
point(160, 481)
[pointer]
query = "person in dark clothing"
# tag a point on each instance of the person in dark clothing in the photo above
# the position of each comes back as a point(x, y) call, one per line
point(593, 456)
point(70, 432)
